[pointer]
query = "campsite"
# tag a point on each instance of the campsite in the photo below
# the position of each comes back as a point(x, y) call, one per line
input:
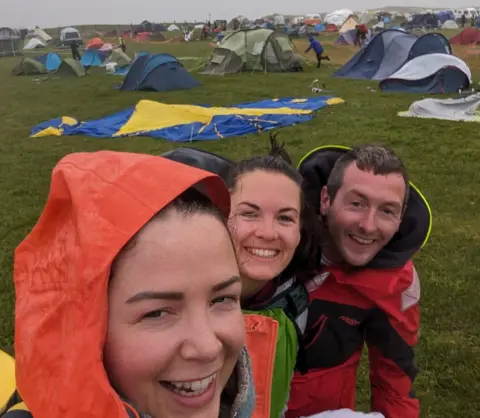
point(43, 99)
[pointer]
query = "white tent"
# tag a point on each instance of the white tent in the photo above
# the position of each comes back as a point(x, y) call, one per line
point(279, 20)
point(449, 24)
point(172, 28)
point(349, 24)
point(338, 17)
point(426, 65)
point(34, 43)
point(41, 34)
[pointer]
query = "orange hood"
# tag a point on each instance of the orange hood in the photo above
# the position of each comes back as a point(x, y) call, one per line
point(97, 202)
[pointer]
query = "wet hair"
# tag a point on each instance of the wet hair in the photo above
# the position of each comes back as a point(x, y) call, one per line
point(375, 158)
point(189, 203)
point(278, 161)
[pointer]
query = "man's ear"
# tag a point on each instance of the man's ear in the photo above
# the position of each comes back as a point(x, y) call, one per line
point(324, 201)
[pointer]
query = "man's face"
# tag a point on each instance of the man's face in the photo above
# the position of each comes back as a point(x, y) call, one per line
point(364, 216)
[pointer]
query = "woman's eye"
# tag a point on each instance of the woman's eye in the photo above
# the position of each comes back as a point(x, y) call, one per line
point(225, 299)
point(248, 214)
point(285, 218)
point(155, 314)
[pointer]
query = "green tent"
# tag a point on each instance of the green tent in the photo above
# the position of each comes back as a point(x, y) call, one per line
point(29, 66)
point(254, 50)
point(71, 68)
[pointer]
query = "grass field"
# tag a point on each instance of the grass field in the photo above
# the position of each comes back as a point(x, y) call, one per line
point(443, 159)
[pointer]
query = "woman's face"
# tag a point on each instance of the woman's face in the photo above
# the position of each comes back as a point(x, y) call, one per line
point(175, 328)
point(265, 223)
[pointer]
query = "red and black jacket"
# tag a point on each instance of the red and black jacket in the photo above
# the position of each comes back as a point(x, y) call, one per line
point(376, 306)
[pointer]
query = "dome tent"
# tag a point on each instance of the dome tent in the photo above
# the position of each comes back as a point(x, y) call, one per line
point(254, 50)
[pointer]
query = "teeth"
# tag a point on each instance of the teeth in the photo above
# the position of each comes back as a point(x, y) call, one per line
point(263, 253)
point(192, 388)
point(361, 240)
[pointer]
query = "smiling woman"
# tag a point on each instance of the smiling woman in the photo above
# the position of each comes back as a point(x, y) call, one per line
point(121, 309)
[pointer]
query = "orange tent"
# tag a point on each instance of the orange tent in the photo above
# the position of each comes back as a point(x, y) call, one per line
point(95, 43)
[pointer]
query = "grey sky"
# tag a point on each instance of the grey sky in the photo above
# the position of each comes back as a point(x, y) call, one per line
point(53, 13)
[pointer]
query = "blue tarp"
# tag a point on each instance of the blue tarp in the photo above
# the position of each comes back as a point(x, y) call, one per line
point(241, 119)
point(158, 72)
point(389, 51)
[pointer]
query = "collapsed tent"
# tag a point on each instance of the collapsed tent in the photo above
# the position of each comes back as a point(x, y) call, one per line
point(254, 50)
point(70, 68)
point(468, 36)
point(34, 43)
point(388, 51)
point(464, 109)
point(184, 123)
point(158, 72)
point(432, 73)
point(93, 58)
point(29, 66)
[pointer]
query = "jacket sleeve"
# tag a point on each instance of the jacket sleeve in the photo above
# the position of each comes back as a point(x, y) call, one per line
point(391, 334)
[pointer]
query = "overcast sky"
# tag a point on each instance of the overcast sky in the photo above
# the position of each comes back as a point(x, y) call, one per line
point(53, 13)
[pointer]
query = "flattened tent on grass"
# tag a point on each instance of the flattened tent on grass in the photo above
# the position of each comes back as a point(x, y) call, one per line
point(29, 66)
point(254, 50)
point(70, 68)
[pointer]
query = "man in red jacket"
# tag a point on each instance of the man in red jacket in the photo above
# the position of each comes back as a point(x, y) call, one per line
point(366, 290)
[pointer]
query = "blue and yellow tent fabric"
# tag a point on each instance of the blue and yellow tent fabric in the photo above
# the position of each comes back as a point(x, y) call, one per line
point(184, 123)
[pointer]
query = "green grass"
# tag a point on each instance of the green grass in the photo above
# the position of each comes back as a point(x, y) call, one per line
point(442, 158)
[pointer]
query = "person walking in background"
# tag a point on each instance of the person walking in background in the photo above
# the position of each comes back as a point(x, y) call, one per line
point(75, 53)
point(318, 49)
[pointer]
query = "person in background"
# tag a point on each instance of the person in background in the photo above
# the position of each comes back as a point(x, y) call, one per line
point(74, 47)
point(317, 48)
point(122, 44)
point(361, 32)
point(367, 289)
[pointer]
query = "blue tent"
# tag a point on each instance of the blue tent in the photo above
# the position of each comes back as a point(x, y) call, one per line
point(389, 51)
point(93, 58)
point(445, 15)
point(51, 61)
point(158, 72)
point(319, 27)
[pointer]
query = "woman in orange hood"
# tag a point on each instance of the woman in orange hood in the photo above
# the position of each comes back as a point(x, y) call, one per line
point(127, 295)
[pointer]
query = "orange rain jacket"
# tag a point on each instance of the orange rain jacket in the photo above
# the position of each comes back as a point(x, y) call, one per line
point(97, 202)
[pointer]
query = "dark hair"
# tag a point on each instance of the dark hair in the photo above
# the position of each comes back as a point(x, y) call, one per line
point(380, 160)
point(278, 160)
point(189, 203)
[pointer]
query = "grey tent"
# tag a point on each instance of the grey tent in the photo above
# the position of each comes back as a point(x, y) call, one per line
point(254, 50)
point(11, 43)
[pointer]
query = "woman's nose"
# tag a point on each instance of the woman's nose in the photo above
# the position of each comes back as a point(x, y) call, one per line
point(201, 342)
